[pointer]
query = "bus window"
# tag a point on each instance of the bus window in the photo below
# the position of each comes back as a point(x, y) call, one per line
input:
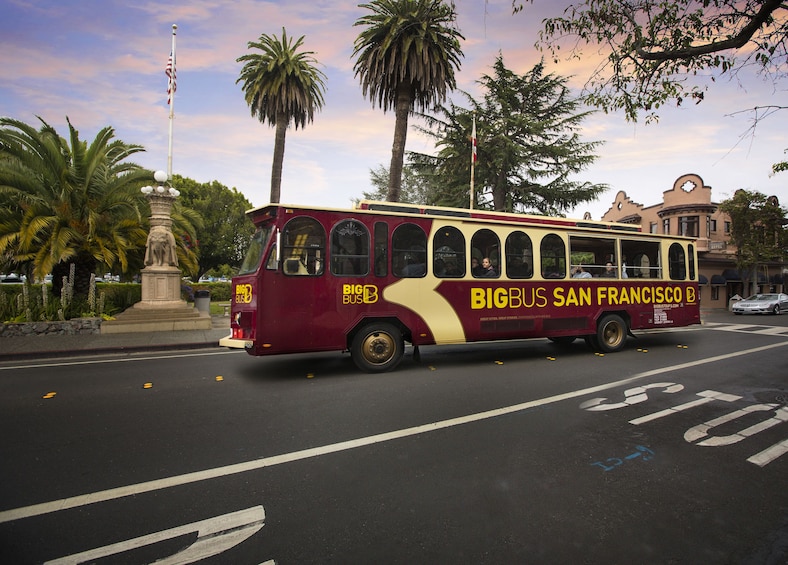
point(255, 252)
point(381, 248)
point(409, 251)
point(595, 255)
point(641, 259)
point(449, 253)
point(303, 247)
point(553, 257)
point(486, 245)
point(350, 249)
point(519, 256)
point(691, 262)
point(676, 262)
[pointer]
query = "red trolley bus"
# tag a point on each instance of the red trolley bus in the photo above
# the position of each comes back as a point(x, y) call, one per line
point(370, 279)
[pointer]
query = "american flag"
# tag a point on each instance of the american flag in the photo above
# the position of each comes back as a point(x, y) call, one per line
point(170, 72)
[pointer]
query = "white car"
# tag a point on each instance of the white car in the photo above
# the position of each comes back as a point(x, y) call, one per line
point(772, 303)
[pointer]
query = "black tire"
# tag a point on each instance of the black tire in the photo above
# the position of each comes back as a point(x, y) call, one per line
point(591, 342)
point(776, 310)
point(377, 348)
point(611, 333)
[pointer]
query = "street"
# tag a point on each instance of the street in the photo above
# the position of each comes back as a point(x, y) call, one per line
point(674, 450)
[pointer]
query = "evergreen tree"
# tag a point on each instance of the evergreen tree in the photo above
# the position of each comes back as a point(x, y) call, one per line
point(528, 146)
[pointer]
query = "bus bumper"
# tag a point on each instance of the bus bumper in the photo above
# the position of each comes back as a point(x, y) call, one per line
point(231, 342)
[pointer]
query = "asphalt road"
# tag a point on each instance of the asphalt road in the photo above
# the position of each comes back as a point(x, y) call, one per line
point(672, 451)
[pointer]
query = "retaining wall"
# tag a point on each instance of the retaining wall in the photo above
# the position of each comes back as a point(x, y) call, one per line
point(77, 326)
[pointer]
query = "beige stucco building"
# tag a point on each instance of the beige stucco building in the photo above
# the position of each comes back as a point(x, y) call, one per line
point(687, 209)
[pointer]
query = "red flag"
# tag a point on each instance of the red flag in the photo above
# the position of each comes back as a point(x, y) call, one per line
point(473, 140)
point(169, 70)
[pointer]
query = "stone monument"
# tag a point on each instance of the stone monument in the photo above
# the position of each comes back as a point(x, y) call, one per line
point(161, 307)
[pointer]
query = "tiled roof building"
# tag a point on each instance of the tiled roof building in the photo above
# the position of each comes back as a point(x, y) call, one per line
point(687, 209)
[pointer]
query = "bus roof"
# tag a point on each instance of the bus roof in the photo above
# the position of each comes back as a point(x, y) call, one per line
point(405, 209)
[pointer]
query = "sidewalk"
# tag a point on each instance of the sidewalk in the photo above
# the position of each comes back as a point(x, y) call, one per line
point(41, 347)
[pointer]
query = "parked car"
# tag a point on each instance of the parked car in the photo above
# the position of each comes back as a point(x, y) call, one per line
point(772, 303)
point(12, 278)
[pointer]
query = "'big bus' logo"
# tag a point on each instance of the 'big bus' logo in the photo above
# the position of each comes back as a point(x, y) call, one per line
point(243, 294)
point(359, 294)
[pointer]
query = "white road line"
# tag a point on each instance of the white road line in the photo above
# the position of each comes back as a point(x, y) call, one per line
point(214, 536)
point(772, 330)
point(116, 360)
point(256, 464)
point(749, 328)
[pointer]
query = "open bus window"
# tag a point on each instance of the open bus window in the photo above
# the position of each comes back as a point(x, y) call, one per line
point(350, 249)
point(519, 256)
point(303, 247)
point(255, 252)
point(641, 259)
point(552, 253)
point(409, 251)
point(448, 253)
point(594, 255)
point(486, 245)
point(676, 262)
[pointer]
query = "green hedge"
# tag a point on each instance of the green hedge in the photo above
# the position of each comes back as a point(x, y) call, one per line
point(220, 291)
point(117, 297)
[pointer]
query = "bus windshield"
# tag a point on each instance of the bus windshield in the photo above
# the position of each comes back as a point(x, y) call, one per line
point(255, 251)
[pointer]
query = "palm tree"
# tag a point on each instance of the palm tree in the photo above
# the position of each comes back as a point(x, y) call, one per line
point(407, 56)
point(280, 84)
point(68, 202)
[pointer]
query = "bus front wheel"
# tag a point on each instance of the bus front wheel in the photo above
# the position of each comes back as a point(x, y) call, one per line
point(377, 348)
point(611, 333)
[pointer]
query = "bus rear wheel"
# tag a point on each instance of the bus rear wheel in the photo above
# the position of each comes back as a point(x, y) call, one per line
point(611, 333)
point(377, 348)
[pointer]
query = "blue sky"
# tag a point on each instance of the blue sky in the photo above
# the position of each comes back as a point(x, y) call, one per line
point(101, 62)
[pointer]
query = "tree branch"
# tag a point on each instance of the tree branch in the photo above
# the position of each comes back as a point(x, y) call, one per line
point(736, 42)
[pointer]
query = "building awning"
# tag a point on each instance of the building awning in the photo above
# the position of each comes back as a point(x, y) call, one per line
point(731, 275)
point(702, 279)
point(718, 279)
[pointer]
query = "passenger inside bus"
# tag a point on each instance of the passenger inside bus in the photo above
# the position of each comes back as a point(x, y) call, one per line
point(610, 271)
point(487, 269)
point(580, 273)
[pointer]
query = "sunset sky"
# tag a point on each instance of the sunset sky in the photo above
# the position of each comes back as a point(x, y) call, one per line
point(101, 62)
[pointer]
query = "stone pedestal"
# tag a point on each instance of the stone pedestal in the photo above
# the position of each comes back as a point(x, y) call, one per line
point(161, 288)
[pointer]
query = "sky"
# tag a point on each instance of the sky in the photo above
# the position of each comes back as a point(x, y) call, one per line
point(101, 63)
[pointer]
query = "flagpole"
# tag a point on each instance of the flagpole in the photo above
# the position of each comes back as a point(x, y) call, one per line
point(473, 158)
point(172, 104)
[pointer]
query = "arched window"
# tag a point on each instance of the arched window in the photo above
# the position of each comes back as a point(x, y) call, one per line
point(519, 256)
point(350, 249)
point(448, 256)
point(409, 251)
point(677, 265)
point(553, 257)
point(485, 245)
point(303, 247)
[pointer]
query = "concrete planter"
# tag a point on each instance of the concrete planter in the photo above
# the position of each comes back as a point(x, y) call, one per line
point(77, 326)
